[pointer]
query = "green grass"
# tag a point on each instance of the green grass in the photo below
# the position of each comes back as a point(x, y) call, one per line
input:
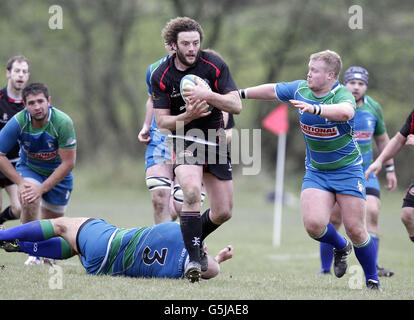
point(258, 271)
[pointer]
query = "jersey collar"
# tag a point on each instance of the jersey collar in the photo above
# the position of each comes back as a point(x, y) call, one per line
point(48, 116)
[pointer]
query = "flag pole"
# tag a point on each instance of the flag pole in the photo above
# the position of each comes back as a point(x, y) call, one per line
point(280, 169)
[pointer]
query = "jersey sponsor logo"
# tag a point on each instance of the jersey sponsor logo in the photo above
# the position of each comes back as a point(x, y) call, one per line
point(363, 135)
point(43, 155)
point(411, 191)
point(319, 132)
point(175, 93)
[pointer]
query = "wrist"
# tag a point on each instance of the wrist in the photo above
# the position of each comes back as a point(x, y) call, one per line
point(243, 93)
point(389, 168)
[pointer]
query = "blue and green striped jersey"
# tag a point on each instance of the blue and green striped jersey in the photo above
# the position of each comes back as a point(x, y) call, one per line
point(156, 251)
point(39, 147)
point(330, 145)
point(369, 123)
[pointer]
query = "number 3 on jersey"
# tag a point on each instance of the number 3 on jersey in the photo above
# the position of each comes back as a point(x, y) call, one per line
point(160, 258)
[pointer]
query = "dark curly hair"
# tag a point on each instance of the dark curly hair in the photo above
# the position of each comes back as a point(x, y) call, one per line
point(180, 24)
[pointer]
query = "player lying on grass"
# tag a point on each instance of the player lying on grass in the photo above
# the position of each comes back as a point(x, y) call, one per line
point(155, 251)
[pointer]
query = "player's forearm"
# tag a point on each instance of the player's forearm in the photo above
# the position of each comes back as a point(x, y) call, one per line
point(9, 171)
point(260, 92)
point(392, 148)
point(149, 113)
point(229, 102)
point(168, 123)
point(337, 112)
point(382, 142)
point(58, 175)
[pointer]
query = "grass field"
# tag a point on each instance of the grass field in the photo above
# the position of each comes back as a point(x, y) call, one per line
point(258, 271)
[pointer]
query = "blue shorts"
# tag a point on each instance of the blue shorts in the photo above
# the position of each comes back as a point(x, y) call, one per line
point(92, 242)
point(59, 194)
point(157, 150)
point(349, 180)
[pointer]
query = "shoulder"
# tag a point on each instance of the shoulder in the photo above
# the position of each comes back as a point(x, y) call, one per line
point(3, 93)
point(58, 116)
point(212, 60)
point(156, 64)
point(372, 103)
point(158, 68)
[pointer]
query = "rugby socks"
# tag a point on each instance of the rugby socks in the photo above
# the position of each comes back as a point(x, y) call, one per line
point(53, 248)
point(326, 253)
point(6, 215)
point(332, 237)
point(366, 255)
point(207, 225)
point(190, 223)
point(38, 230)
point(375, 238)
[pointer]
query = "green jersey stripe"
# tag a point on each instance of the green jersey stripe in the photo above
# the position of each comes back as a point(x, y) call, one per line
point(343, 162)
point(328, 146)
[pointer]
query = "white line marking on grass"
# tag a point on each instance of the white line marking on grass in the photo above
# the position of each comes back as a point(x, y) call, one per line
point(294, 256)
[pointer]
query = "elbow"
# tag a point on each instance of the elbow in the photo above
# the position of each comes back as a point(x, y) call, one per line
point(347, 115)
point(237, 110)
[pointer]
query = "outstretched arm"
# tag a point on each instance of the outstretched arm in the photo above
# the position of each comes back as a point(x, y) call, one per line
point(392, 148)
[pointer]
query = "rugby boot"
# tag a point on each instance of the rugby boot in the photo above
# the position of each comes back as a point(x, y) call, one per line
point(340, 259)
point(382, 272)
point(193, 271)
point(373, 285)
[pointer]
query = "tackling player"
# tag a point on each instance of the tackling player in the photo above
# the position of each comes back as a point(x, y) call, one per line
point(369, 126)
point(333, 162)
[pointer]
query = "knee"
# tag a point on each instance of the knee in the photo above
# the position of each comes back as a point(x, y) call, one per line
point(313, 227)
point(192, 195)
point(16, 209)
point(357, 233)
point(407, 217)
point(59, 225)
point(222, 216)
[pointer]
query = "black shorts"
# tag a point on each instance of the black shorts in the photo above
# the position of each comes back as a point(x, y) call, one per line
point(215, 159)
point(409, 196)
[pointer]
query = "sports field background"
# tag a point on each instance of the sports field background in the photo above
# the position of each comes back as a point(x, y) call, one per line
point(258, 270)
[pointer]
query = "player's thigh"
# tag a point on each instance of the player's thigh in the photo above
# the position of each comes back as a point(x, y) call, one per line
point(316, 207)
point(162, 169)
point(353, 216)
point(67, 228)
point(336, 216)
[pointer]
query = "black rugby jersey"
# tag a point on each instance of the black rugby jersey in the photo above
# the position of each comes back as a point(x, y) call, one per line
point(408, 127)
point(165, 86)
point(8, 108)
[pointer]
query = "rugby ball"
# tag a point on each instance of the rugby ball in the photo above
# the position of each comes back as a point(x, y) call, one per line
point(189, 80)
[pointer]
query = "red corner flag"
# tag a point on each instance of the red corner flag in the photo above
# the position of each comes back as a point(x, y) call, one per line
point(277, 120)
